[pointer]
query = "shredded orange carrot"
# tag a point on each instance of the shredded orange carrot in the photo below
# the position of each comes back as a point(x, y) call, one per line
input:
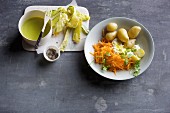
point(104, 54)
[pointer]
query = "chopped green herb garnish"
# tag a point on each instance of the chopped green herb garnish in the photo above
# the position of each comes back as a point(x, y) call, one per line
point(134, 50)
point(104, 61)
point(128, 50)
point(104, 68)
point(107, 54)
point(123, 55)
point(136, 68)
point(126, 61)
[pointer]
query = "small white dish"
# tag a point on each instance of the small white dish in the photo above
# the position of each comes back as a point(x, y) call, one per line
point(144, 40)
point(51, 47)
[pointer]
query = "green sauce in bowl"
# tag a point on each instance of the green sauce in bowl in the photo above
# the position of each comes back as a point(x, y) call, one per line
point(32, 28)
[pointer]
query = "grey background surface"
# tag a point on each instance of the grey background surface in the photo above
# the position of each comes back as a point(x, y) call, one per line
point(29, 84)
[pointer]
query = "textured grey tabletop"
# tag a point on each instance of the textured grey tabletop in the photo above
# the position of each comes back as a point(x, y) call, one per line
point(29, 84)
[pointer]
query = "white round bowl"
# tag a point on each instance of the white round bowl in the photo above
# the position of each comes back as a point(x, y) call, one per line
point(53, 47)
point(32, 14)
point(144, 40)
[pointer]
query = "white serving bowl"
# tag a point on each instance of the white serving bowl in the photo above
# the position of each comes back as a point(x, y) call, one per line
point(144, 40)
point(25, 17)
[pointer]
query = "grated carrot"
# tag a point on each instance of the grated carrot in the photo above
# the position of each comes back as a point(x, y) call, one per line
point(105, 55)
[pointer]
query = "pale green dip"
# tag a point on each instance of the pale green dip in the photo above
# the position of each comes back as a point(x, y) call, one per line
point(32, 28)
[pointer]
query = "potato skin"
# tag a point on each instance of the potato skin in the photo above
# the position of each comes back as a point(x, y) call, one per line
point(135, 58)
point(104, 32)
point(134, 32)
point(111, 36)
point(130, 43)
point(140, 53)
point(122, 35)
point(111, 27)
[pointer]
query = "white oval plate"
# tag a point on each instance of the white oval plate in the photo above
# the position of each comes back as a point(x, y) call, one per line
point(144, 40)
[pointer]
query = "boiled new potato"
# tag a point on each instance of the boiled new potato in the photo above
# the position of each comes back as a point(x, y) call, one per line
point(103, 32)
point(134, 31)
point(130, 43)
point(111, 36)
point(111, 27)
point(140, 53)
point(122, 35)
point(135, 58)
